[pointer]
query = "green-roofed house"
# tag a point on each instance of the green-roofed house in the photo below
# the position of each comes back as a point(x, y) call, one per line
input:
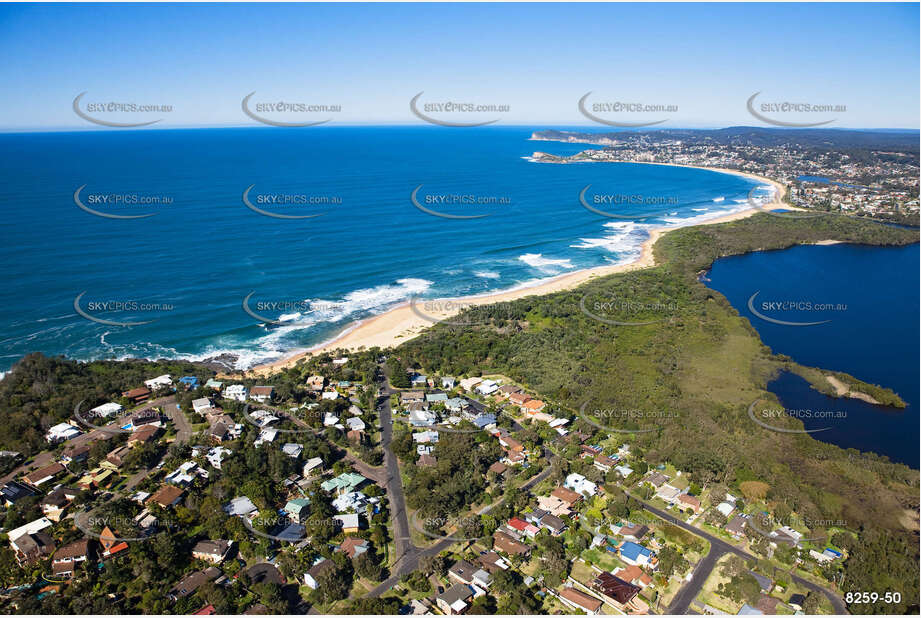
point(344, 483)
point(436, 397)
point(297, 508)
point(212, 383)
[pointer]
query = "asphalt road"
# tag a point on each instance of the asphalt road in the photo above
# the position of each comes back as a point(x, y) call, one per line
point(718, 548)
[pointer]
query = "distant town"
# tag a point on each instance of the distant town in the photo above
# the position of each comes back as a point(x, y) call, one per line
point(868, 180)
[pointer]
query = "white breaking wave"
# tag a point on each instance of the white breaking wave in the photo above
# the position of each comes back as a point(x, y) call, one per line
point(718, 199)
point(487, 274)
point(699, 209)
point(537, 260)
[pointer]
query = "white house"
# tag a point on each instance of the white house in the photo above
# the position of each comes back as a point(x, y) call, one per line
point(201, 405)
point(425, 437)
point(725, 508)
point(107, 409)
point(355, 424)
point(330, 419)
point(266, 435)
point(331, 395)
point(240, 507)
point(159, 382)
point(263, 418)
point(236, 391)
point(468, 384)
point(62, 432)
point(580, 485)
point(340, 361)
point(487, 387)
point(163, 381)
point(292, 449)
point(312, 464)
point(216, 455)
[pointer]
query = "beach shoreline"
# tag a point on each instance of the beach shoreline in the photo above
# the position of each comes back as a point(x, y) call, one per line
point(404, 322)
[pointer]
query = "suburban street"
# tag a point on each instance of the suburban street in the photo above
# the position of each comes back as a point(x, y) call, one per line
point(718, 548)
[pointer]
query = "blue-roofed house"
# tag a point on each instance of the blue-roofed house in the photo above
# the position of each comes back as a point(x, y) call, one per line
point(485, 420)
point(190, 382)
point(456, 404)
point(636, 554)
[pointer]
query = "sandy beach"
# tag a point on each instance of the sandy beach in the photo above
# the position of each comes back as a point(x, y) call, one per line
point(405, 322)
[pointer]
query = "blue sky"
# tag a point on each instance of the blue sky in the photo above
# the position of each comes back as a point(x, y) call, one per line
point(538, 59)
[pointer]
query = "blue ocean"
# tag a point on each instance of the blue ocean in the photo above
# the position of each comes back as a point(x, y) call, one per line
point(350, 242)
point(867, 298)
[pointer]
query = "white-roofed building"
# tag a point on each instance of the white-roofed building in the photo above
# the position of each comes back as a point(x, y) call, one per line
point(107, 409)
point(62, 432)
point(163, 381)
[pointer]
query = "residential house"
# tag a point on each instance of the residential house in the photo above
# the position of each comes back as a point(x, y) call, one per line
point(30, 542)
point(614, 588)
point(117, 456)
point(166, 496)
point(468, 384)
point(426, 460)
point(353, 546)
point(241, 507)
point(455, 600)
point(315, 383)
point(189, 382)
point(533, 406)
point(39, 477)
point(603, 462)
point(635, 575)
point(237, 392)
point(160, 382)
point(689, 501)
point(580, 601)
point(634, 553)
point(314, 464)
point(567, 496)
point(69, 557)
point(518, 399)
point(492, 562)
point(297, 508)
point(106, 410)
point(447, 382)
point(54, 505)
point(214, 385)
point(201, 406)
point(111, 545)
point(505, 543)
point(315, 574)
point(292, 449)
point(189, 584)
point(633, 532)
point(349, 521)
point(213, 551)
point(487, 387)
point(736, 526)
point(408, 397)
point(61, 433)
point(522, 527)
point(580, 484)
point(262, 394)
point(143, 435)
point(344, 483)
point(137, 395)
point(436, 398)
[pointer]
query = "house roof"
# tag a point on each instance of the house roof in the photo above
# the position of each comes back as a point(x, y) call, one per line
point(614, 587)
point(43, 473)
point(166, 495)
point(586, 602)
point(352, 546)
point(566, 495)
point(76, 549)
point(504, 542)
point(457, 592)
point(217, 547)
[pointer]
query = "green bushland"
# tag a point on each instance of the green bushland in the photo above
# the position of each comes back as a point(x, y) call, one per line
point(691, 377)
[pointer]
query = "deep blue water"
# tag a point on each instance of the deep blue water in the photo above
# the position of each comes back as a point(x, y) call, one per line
point(205, 251)
point(873, 333)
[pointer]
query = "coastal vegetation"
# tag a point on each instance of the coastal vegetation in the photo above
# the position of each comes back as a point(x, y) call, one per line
point(690, 374)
